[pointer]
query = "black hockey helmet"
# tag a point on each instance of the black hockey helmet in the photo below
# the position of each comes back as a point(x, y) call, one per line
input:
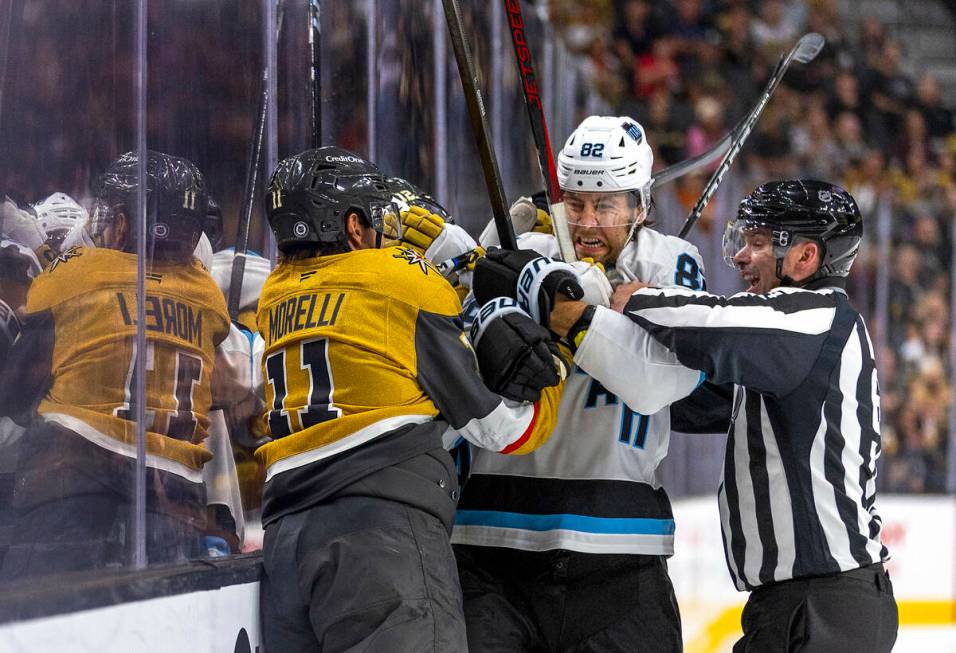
point(176, 201)
point(801, 208)
point(212, 224)
point(312, 193)
point(405, 193)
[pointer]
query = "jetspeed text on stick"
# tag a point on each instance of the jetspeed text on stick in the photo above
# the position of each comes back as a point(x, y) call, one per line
point(524, 53)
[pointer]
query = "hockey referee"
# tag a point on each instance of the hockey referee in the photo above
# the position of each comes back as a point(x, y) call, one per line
point(798, 497)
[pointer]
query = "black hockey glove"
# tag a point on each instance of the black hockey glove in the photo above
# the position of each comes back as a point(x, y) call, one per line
point(525, 275)
point(516, 356)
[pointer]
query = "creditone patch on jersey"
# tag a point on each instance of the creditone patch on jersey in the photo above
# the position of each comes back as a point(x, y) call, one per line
point(413, 257)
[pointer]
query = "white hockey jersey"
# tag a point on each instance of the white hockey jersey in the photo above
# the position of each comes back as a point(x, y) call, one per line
point(593, 486)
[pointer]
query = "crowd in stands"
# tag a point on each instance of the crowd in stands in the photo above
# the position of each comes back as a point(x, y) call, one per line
point(859, 115)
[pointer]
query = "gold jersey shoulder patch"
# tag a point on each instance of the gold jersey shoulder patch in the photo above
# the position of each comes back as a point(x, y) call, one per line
point(412, 257)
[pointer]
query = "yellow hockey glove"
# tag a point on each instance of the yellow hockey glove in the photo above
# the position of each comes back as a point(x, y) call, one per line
point(420, 228)
point(542, 222)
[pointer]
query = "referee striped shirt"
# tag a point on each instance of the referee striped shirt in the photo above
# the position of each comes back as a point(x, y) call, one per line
point(798, 495)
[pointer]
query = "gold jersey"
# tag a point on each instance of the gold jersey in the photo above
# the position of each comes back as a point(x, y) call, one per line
point(360, 344)
point(90, 295)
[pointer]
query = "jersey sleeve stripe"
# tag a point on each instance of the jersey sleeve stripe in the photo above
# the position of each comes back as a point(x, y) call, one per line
point(517, 444)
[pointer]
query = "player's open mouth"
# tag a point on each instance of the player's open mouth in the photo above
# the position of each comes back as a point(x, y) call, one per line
point(752, 279)
point(590, 244)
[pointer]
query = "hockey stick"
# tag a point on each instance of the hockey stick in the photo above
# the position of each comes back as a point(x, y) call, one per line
point(479, 125)
point(249, 192)
point(13, 13)
point(539, 129)
point(804, 51)
point(315, 52)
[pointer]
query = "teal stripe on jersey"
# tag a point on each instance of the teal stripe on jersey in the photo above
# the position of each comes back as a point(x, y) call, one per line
point(608, 525)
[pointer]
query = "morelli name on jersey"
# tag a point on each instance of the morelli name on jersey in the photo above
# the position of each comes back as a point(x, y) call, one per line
point(165, 315)
point(363, 351)
point(307, 311)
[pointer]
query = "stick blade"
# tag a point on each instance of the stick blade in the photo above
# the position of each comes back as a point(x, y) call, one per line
point(809, 47)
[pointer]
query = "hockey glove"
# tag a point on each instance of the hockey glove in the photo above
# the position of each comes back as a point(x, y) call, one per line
point(542, 222)
point(420, 228)
point(516, 357)
point(597, 289)
point(523, 214)
point(20, 226)
point(524, 275)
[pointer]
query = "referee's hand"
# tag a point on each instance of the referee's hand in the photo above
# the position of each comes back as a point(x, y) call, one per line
point(623, 293)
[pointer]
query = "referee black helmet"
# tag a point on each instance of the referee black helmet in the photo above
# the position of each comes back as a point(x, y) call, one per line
point(802, 209)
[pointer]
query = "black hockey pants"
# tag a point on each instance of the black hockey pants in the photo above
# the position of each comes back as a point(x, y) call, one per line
point(360, 574)
point(563, 601)
point(852, 611)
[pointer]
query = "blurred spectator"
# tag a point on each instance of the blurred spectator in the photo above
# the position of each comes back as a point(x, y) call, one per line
point(814, 145)
point(687, 25)
point(939, 119)
point(635, 32)
point(889, 91)
point(664, 119)
point(912, 137)
point(934, 252)
point(772, 153)
point(656, 70)
point(866, 181)
point(775, 29)
point(872, 39)
point(707, 130)
point(904, 288)
point(848, 132)
point(845, 96)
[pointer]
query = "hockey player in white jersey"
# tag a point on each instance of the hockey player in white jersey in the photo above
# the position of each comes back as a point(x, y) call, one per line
point(565, 549)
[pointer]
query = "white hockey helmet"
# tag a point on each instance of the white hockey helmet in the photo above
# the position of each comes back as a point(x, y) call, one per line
point(59, 213)
point(606, 154)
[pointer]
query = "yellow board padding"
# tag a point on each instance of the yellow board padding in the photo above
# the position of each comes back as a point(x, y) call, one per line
point(725, 627)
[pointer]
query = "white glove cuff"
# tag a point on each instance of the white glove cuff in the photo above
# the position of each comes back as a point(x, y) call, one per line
point(530, 279)
point(492, 310)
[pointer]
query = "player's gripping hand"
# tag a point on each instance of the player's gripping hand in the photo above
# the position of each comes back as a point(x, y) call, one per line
point(516, 356)
point(525, 275)
point(420, 227)
point(597, 288)
point(20, 226)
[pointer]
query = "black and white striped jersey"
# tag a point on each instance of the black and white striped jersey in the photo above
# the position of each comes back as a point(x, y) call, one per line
point(798, 492)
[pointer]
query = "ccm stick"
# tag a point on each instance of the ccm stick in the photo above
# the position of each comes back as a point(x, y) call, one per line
point(806, 49)
point(479, 125)
point(539, 128)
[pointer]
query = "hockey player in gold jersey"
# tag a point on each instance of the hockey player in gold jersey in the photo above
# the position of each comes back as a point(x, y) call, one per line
point(73, 491)
point(366, 368)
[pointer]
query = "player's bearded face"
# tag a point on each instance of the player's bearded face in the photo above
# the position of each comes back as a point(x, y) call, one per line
point(601, 224)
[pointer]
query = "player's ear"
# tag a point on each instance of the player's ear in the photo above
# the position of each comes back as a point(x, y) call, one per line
point(120, 234)
point(356, 231)
point(812, 254)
